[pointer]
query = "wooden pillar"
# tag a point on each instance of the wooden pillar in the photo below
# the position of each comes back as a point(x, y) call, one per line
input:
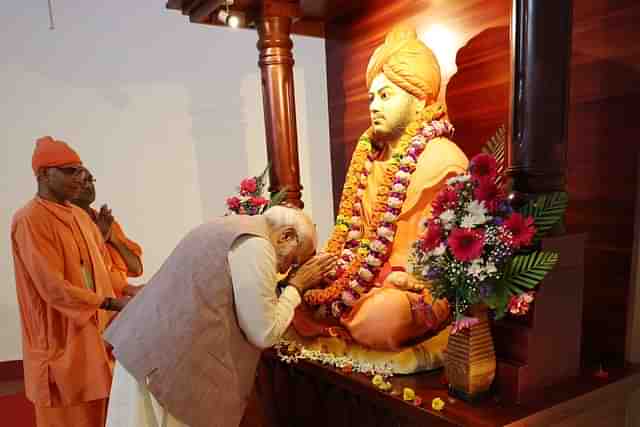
point(276, 66)
point(541, 51)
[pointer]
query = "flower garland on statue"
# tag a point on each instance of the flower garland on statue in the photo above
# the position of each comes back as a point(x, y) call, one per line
point(363, 250)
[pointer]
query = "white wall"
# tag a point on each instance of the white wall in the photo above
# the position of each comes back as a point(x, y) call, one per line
point(167, 114)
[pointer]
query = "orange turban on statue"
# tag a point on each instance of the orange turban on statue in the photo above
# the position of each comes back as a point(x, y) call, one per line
point(52, 153)
point(407, 62)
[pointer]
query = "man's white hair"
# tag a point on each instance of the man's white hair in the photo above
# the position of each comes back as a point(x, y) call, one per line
point(281, 216)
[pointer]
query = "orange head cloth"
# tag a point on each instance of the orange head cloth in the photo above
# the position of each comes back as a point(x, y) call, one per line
point(407, 62)
point(52, 153)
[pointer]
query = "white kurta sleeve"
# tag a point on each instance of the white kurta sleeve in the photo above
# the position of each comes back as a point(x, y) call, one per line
point(262, 315)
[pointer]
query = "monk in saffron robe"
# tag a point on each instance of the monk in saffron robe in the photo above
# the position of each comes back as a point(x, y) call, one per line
point(65, 295)
point(124, 254)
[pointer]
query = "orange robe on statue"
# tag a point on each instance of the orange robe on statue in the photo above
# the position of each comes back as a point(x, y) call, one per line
point(383, 319)
point(62, 277)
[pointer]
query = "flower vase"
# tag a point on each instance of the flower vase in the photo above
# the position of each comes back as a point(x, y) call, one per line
point(470, 358)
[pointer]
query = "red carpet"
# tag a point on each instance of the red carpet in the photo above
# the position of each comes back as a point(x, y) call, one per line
point(16, 411)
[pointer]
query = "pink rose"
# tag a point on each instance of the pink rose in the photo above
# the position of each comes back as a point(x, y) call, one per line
point(259, 201)
point(249, 185)
point(233, 203)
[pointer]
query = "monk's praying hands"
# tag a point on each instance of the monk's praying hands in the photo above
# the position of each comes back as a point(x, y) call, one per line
point(104, 221)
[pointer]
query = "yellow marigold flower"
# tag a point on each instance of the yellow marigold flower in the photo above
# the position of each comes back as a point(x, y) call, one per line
point(437, 404)
point(377, 380)
point(386, 386)
point(342, 227)
point(363, 252)
point(408, 394)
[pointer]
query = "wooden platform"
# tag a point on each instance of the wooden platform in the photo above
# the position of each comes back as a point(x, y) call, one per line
point(309, 394)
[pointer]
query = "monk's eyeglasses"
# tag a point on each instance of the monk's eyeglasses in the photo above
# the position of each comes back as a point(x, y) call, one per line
point(73, 171)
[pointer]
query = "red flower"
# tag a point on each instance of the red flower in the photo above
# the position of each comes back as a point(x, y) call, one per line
point(488, 192)
point(432, 237)
point(258, 201)
point(446, 199)
point(249, 185)
point(483, 166)
point(521, 228)
point(466, 244)
point(233, 203)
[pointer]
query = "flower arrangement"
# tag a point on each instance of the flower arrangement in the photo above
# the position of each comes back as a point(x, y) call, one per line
point(249, 200)
point(476, 248)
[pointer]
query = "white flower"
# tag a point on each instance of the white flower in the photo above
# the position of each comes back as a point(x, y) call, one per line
point(470, 221)
point(476, 208)
point(490, 268)
point(354, 234)
point(475, 269)
point(407, 161)
point(368, 165)
point(359, 192)
point(377, 246)
point(439, 250)
point(389, 217)
point(418, 141)
point(348, 253)
point(399, 188)
point(387, 233)
point(365, 274)
point(447, 218)
point(394, 202)
point(425, 271)
point(403, 176)
point(373, 261)
point(363, 179)
point(458, 178)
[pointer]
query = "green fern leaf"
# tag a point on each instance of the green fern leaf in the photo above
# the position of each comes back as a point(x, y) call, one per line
point(496, 148)
point(546, 211)
point(524, 272)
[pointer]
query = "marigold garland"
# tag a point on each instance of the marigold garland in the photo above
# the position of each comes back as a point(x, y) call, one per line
point(363, 250)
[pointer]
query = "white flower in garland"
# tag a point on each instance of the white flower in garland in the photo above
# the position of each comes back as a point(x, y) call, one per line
point(377, 246)
point(373, 261)
point(354, 234)
point(387, 233)
point(389, 217)
point(365, 274)
point(399, 188)
point(394, 202)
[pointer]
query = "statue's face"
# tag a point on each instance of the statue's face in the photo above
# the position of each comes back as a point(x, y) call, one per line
point(391, 107)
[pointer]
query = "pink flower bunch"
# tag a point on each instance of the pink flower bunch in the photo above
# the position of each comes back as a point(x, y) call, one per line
point(249, 201)
point(471, 236)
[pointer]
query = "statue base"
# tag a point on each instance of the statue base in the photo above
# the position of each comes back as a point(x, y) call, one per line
point(424, 356)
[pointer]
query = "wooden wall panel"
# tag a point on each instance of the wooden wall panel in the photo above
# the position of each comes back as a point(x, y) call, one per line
point(603, 142)
point(603, 163)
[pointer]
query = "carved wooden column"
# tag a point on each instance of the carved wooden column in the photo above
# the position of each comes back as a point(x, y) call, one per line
point(541, 50)
point(276, 66)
